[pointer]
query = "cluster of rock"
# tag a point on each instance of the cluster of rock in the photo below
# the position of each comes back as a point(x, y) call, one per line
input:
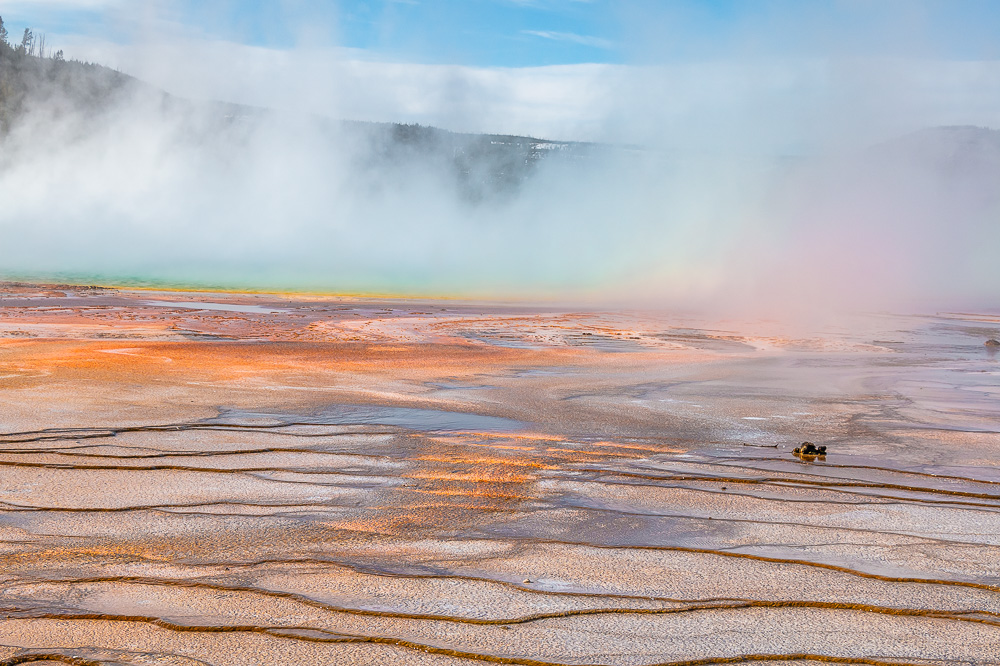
point(809, 449)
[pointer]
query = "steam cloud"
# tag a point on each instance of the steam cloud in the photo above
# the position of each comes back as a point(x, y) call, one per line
point(767, 185)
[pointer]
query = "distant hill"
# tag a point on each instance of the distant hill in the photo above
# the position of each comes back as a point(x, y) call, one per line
point(28, 81)
point(957, 150)
point(955, 166)
point(483, 166)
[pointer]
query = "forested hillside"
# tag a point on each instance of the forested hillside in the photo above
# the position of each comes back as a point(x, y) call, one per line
point(39, 86)
point(31, 77)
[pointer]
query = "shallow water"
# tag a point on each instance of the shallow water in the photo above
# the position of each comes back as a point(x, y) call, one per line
point(426, 420)
point(222, 307)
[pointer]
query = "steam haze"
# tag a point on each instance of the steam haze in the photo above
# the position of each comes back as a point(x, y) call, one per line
point(828, 173)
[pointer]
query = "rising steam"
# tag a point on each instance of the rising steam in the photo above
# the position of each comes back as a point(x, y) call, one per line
point(764, 184)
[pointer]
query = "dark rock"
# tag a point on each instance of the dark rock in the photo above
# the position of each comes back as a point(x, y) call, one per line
point(809, 449)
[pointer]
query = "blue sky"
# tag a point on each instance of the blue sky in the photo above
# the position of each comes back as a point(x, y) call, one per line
point(519, 33)
point(510, 33)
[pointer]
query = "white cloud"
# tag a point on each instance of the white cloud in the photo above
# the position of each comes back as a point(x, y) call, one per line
point(556, 101)
point(549, 4)
point(585, 40)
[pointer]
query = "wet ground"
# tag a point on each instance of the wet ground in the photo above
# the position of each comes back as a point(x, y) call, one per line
point(255, 479)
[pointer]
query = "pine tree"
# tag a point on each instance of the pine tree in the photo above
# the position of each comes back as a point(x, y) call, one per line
point(27, 42)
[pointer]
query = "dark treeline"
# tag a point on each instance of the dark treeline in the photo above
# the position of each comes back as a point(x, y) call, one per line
point(481, 165)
